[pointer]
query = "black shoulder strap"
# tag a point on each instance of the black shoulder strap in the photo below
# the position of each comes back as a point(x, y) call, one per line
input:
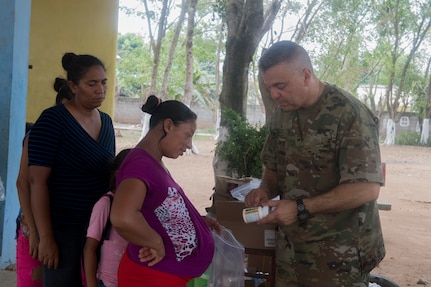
point(107, 228)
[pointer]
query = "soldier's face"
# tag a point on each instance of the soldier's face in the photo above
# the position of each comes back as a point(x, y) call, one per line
point(287, 84)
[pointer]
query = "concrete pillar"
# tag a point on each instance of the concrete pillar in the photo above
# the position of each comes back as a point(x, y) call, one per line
point(14, 51)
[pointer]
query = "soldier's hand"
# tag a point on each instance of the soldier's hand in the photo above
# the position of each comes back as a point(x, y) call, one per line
point(283, 212)
point(256, 197)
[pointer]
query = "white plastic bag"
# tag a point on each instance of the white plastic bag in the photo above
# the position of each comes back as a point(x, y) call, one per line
point(241, 191)
point(227, 267)
point(2, 191)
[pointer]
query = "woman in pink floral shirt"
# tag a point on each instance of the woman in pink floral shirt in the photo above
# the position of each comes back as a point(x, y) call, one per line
point(170, 242)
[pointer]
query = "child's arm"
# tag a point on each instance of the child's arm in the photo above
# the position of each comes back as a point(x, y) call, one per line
point(98, 218)
point(90, 261)
point(23, 187)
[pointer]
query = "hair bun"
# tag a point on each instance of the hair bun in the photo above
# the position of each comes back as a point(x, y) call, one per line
point(151, 104)
point(59, 84)
point(67, 60)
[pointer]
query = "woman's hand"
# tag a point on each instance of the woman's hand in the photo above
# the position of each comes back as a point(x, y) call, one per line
point(151, 255)
point(48, 253)
point(213, 224)
point(33, 244)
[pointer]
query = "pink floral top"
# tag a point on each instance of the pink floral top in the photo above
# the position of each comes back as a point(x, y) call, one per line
point(189, 244)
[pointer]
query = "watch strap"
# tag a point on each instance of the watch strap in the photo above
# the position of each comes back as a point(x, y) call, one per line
point(303, 213)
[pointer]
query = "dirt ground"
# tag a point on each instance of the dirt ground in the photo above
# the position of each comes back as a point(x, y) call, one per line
point(406, 226)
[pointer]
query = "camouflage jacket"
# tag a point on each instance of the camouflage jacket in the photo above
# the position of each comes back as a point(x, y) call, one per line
point(313, 150)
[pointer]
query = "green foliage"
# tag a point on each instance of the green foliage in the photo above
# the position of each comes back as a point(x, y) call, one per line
point(351, 42)
point(242, 146)
point(134, 64)
point(410, 138)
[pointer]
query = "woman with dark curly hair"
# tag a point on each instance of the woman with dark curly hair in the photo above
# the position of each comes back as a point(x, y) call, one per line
point(70, 149)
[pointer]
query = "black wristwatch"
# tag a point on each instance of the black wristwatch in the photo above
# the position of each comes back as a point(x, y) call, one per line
point(303, 213)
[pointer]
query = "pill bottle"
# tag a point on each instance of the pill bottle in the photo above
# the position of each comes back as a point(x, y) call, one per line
point(253, 214)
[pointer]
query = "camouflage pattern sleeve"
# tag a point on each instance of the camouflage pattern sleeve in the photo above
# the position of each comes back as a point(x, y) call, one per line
point(358, 150)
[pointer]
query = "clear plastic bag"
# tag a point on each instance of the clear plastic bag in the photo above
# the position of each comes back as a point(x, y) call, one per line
point(241, 191)
point(227, 267)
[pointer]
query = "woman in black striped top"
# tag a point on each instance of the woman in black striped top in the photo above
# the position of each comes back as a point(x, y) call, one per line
point(70, 149)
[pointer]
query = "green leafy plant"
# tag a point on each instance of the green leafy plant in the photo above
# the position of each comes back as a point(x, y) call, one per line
point(410, 138)
point(242, 146)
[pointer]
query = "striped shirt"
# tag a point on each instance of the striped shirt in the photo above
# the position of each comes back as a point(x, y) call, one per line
point(80, 166)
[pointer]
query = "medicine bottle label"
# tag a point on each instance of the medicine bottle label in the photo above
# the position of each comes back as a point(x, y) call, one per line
point(253, 214)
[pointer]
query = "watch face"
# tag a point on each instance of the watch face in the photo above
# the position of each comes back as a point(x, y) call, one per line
point(302, 212)
point(301, 207)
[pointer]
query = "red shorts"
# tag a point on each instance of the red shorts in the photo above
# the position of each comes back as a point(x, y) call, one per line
point(131, 274)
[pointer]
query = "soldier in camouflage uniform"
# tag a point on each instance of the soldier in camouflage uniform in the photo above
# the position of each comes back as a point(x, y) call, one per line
point(322, 157)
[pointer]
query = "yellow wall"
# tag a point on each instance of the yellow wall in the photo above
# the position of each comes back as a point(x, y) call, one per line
point(78, 26)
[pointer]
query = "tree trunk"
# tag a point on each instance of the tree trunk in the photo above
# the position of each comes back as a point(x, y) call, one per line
point(145, 121)
point(217, 81)
point(158, 46)
point(188, 89)
point(164, 89)
point(427, 112)
point(268, 102)
point(390, 132)
point(425, 131)
point(247, 23)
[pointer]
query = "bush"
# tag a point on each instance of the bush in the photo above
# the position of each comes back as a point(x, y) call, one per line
point(242, 147)
point(410, 138)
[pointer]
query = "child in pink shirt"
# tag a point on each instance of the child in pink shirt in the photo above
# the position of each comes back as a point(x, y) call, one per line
point(103, 274)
